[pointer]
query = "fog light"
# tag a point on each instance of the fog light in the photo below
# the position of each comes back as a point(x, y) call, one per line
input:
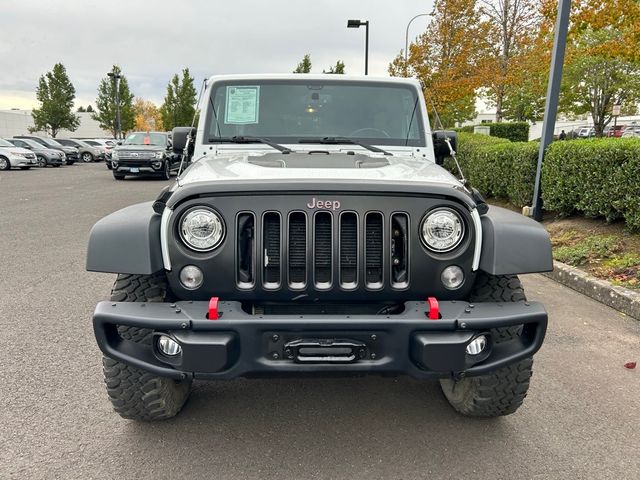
point(191, 277)
point(477, 345)
point(169, 346)
point(452, 277)
point(156, 165)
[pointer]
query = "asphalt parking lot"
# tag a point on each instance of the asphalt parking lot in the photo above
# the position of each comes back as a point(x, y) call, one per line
point(580, 420)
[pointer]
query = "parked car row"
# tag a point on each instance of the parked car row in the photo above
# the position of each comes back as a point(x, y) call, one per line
point(611, 131)
point(46, 151)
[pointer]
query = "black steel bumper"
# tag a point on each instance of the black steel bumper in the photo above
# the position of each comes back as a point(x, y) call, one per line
point(239, 344)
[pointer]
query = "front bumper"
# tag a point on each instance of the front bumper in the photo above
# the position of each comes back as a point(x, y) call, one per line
point(19, 161)
point(239, 344)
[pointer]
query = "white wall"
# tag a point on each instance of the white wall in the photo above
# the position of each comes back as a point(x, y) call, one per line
point(17, 122)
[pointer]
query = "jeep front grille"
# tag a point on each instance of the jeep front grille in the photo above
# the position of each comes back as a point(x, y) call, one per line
point(322, 250)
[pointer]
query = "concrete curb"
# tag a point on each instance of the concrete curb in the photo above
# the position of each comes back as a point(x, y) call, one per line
point(622, 299)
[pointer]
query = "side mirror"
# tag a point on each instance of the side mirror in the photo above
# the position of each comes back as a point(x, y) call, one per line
point(119, 142)
point(440, 147)
point(180, 136)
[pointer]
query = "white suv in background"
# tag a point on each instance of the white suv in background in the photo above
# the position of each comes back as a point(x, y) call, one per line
point(12, 156)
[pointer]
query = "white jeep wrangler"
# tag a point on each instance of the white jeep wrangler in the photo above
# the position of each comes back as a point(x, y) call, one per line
point(316, 232)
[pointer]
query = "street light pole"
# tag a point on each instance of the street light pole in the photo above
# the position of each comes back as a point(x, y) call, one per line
point(406, 39)
point(358, 24)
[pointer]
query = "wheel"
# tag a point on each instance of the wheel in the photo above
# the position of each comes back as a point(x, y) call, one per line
point(87, 157)
point(502, 391)
point(166, 174)
point(137, 394)
point(5, 164)
point(109, 166)
point(118, 176)
point(42, 162)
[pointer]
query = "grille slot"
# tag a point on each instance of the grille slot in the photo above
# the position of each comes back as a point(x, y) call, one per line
point(322, 249)
point(297, 250)
point(373, 250)
point(399, 250)
point(349, 250)
point(245, 250)
point(271, 249)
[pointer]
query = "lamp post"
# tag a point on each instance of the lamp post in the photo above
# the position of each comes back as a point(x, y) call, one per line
point(406, 39)
point(358, 24)
point(116, 77)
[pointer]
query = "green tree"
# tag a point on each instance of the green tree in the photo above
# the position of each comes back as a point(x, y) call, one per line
point(89, 109)
point(81, 109)
point(597, 77)
point(338, 69)
point(55, 93)
point(106, 110)
point(179, 105)
point(305, 65)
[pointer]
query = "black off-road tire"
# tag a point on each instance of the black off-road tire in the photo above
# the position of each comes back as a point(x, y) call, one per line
point(137, 394)
point(502, 391)
point(118, 176)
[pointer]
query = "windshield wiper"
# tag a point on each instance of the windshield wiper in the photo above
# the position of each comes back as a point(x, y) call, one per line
point(345, 140)
point(241, 139)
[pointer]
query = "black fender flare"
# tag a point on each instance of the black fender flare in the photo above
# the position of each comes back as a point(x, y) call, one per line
point(126, 241)
point(513, 244)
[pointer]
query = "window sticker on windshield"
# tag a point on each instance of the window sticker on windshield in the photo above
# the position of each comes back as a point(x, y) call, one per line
point(242, 105)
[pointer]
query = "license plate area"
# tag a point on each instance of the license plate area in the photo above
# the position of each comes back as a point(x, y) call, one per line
point(134, 170)
point(323, 347)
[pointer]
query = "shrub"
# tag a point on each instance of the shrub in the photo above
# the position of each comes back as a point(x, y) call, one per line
point(513, 131)
point(499, 168)
point(597, 177)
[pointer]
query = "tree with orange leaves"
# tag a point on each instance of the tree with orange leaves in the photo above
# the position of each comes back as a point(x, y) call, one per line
point(147, 116)
point(444, 59)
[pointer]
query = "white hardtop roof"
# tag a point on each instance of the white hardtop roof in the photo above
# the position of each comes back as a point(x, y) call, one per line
point(312, 76)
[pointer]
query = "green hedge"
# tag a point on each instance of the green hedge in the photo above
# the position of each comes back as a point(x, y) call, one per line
point(498, 168)
point(514, 131)
point(596, 178)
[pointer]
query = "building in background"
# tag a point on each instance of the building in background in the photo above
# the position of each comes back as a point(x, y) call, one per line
point(17, 122)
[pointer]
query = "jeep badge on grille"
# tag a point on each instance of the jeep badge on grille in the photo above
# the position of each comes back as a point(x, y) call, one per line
point(324, 204)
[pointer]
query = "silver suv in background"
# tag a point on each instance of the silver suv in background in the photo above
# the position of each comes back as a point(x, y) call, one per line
point(12, 156)
point(88, 153)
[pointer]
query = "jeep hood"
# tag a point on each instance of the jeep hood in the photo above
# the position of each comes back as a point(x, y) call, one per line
point(319, 166)
point(138, 148)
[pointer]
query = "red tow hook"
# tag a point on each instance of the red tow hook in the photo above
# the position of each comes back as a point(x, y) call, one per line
point(434, 308)
point(213, 309)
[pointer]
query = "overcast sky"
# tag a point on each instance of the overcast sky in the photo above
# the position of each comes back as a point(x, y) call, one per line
point(152, 40)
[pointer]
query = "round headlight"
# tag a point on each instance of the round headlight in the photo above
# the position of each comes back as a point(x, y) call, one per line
point(442, 230)
point(201, 229)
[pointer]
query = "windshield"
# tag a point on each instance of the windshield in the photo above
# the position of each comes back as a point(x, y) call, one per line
point(146, 139)
point(286, 111)
point(93, 143)
point(31, 143)
point(51, 142)
point(4, 143)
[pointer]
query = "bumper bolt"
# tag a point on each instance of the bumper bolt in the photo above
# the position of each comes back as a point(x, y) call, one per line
point(463, 325)
point(183, 325)
point(467, 310)
point(374, 337)
point(275, 338)
point(113, 304)
point(288, 353)
point(275, 355)
point(471, 305)
point(361, 353)
point(178, 310)
point(173, 305)
point(373, 356)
